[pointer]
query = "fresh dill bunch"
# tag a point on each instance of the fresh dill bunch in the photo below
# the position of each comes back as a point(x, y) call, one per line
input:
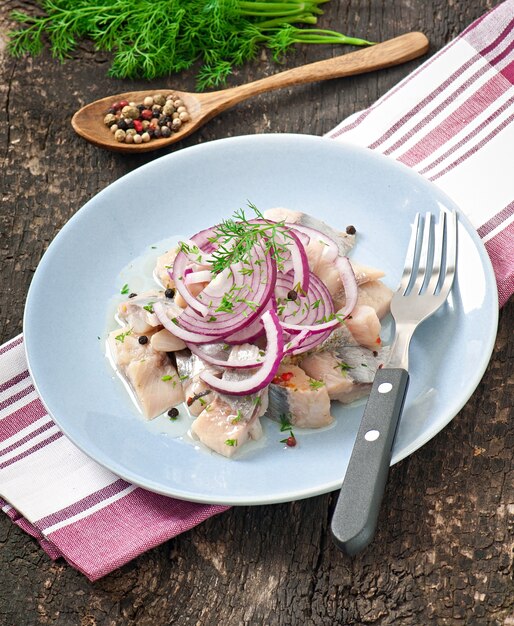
point(152, 38)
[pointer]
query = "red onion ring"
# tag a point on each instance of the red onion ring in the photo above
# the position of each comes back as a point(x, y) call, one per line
point(266, 372)
point(202, 352)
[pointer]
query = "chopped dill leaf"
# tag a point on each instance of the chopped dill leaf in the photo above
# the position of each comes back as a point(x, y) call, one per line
point(121, 336)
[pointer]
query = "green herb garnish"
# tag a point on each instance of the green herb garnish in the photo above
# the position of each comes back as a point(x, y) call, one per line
point(149, 307)
point(121, 336)
point(344, 367)
point(162, 37)
point(124, 289)
point(231, 442)
point(237, 418)
point(316, 384)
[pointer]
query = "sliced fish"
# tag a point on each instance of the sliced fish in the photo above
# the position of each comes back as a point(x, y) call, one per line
point(299, 399)
point(347, 371)
point(197, 393)
point(364, 326)
point(227, 423)
point(137, 312)
point(150, 374)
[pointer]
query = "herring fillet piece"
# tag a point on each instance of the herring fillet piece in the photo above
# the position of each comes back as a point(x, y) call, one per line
point(227, 423)
point(150, 374)
point(298, 401)
point(197, 393)
point(344, 241)
point(347, 370)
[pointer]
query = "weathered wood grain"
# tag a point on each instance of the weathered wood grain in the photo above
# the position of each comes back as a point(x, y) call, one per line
point(443, 555)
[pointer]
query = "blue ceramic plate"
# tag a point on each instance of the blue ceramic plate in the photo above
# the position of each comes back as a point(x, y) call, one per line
point(66, 316)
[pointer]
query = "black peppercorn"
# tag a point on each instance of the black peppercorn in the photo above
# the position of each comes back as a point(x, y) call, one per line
point(169, 293)
point(173, 412)
point(143, 339)
point(122, 124)
point(132, 295)
point(292, 295)
point(350, 230)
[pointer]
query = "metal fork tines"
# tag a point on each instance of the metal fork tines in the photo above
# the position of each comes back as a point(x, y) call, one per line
point(427, 278)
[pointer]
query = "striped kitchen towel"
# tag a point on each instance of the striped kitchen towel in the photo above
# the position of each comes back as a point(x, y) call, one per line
point(75, 508)
point(452, 121)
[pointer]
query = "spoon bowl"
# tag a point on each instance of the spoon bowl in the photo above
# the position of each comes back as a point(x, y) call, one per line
point(88, 121)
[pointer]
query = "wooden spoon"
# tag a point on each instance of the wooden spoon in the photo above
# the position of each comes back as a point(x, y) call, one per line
point(88, 121)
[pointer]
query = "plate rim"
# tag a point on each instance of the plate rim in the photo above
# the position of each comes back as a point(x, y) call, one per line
point(415, 445)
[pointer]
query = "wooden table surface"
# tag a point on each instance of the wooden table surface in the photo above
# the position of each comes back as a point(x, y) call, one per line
point(443, 553)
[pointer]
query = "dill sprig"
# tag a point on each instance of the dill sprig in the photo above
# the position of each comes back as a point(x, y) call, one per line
point(236, 238)
point(151, 38)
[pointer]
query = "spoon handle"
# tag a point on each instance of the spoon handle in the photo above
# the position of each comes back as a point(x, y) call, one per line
point(382, 55)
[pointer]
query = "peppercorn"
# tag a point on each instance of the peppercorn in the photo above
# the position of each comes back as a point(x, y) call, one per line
point(132, 295)
point(169, 293)
point(157, 116)
point(130, 111)
point(291, 441)
point(143, 339)
point(292, 295)
point(350, 230)
point(173, 413)
point(110, 119)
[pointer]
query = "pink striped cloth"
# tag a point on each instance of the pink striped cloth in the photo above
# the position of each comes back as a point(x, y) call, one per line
point(452, 121)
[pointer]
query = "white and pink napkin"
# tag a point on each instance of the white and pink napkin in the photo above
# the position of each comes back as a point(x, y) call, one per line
point(451, 120)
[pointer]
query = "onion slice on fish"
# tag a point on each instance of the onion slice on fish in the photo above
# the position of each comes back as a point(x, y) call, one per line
point(235, 297)
point(205, 351)
point(351, 289)
point(254, 330)
point(266, 372)
point(293, 253)
point(181, 265)
point(331, 251)
point(200, 276)
point(160, 310)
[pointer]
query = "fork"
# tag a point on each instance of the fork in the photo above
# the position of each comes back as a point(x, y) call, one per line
point(426, 282)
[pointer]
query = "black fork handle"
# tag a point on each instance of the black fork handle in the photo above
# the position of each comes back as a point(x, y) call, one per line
point(355, 516)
